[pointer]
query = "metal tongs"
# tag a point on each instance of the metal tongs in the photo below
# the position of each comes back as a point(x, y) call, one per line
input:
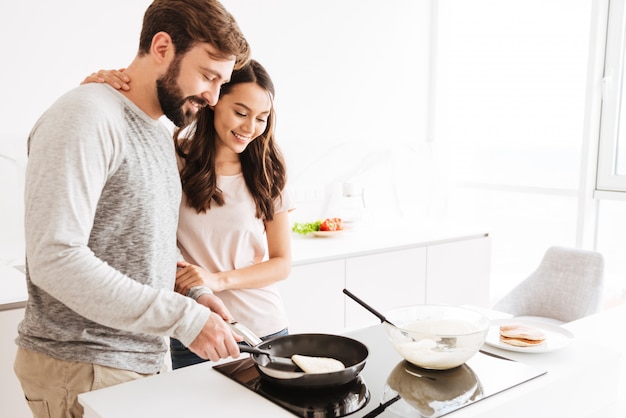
point(248, 336)
point(263, 357)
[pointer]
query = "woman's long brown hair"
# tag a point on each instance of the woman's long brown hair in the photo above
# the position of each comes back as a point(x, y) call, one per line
point(262, 162)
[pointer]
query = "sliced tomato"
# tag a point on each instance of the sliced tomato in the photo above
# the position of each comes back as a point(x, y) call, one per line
point(331, 224)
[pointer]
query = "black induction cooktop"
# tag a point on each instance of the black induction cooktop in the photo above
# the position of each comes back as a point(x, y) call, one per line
point(389, 386)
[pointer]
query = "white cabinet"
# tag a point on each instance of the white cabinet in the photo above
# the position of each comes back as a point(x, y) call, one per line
point(458, 272)
point(12, 403)
point(450, 270)
point(313, 297)
point(384, 281)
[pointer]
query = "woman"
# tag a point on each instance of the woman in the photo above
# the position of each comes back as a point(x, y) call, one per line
point(234, 204)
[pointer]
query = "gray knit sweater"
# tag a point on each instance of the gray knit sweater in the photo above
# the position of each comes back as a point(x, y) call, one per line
point(101, 209)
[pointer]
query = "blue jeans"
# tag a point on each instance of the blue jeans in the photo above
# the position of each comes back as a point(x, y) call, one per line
point(183, 357)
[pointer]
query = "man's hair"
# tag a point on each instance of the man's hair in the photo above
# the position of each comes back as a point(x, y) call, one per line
point(189, 22)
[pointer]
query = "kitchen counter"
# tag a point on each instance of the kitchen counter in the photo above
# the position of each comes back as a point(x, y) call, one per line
point(365, 240)
point(13, 293)
point(582, 380)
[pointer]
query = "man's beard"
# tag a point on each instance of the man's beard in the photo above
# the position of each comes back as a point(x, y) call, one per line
point(171, 97)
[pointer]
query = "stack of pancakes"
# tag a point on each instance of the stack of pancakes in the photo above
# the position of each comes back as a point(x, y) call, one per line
point(521, 335)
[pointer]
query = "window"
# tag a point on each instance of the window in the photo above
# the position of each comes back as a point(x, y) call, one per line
point(612, 147)
point(510, 108)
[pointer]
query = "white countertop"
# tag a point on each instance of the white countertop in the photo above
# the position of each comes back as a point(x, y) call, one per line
point(582, 380)
point(13, 293)
point(365, 240)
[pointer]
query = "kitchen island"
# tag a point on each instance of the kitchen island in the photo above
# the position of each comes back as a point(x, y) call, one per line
point(581, 380)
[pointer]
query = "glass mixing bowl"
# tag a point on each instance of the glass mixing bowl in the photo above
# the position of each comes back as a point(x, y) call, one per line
point(437, 337)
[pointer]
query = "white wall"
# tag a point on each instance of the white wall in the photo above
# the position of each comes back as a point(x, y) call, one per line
point(351, 79)
point(49, 47)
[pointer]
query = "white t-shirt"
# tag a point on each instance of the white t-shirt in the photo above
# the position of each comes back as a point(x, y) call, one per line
point(231, 237)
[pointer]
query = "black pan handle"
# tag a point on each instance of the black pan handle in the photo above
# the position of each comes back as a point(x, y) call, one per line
point(255, 350)
point(269, 359)
point(366, 306)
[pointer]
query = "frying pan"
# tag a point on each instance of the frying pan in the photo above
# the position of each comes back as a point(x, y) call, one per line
point(352, 353)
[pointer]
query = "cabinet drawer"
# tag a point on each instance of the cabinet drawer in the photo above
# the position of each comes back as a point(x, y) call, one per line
point(313, 297)
point(385, 281)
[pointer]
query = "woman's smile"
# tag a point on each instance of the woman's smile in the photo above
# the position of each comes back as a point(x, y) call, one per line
point(241, 138)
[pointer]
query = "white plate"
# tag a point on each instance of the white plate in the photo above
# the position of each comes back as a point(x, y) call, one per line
point(326, 234)
point(556, 336)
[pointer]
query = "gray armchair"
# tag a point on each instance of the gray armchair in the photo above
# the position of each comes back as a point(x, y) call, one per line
point(566, 286)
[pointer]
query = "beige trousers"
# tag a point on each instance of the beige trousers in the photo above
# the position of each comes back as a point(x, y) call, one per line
point(51, 386)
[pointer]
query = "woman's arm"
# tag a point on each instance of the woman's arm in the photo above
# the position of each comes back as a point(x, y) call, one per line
point(274, 269)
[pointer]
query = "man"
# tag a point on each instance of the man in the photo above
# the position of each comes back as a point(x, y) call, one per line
point(101, 207)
